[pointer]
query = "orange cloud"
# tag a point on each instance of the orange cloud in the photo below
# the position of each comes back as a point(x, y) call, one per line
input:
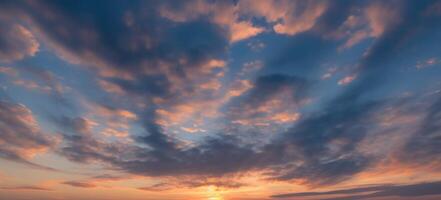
point(243, 30)
point(287, 18)
point(223, 14)
point(238, 88)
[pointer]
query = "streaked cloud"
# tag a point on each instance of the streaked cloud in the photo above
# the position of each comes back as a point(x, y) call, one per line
point(22, 138)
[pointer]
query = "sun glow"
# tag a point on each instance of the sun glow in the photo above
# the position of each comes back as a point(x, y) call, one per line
point(213, 194)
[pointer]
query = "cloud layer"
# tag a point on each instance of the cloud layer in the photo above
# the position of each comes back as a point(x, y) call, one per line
point(315, 93)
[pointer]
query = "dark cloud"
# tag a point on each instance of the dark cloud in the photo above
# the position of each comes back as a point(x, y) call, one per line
point(80, 184)
point(107, 42)
point(269, 85)
point(156, 138)
point(195, 183)
point(156, 187)
point(325, 144)
point(200, 160)
point(107, 177)
point(95, 180)
point(147, 85)
point(82, 146)
point(333, 192)
point(413, 190)
point(26, 187)
point(161, 156)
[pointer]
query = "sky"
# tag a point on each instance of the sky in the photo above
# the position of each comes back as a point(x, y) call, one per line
point(220, 100)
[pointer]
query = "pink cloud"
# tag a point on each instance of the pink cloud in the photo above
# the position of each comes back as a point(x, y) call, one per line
point(223, 14)
point(287, 18)
point(19, 42)
point(20, 132)
point(347, 79)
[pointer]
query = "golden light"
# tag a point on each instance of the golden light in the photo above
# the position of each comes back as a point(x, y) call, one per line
point(213, 194)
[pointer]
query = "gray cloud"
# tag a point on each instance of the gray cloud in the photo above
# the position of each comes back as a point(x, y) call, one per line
point(26, 187)
point(412, 190)
point(21, 137)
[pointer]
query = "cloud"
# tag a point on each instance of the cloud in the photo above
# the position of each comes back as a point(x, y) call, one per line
point(81, 145)
point(326, 141)
point(289, 17)
point(165, 69)
point(36, 79)
point(80, 184)
point(21, 137)
point(26, 187)
point(319, 149)
point(347, 79)
point(412, 190)
point(95, 181)
point(226, 15)
point(218, 183)
point(421, 148)
point(251, 66)
point(329, 73)
point(111, 120)
point(256, 45)
point(152, 62)
point(324, 144)
point(16, 41)
point(294, 24)
point(285, 17)
point(427, 63)
point(160, 157)
point(9, 71)
point(273, 99)
point(147, 60)
point(375, 19)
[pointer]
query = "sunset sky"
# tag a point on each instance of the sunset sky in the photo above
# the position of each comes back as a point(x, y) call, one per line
point(220, 100)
